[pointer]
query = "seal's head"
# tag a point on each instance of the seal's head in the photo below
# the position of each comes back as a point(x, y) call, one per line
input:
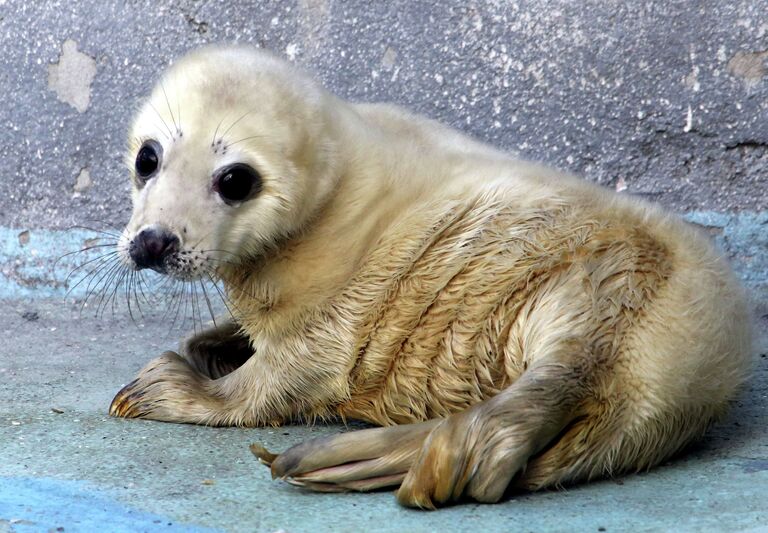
point(232, 153)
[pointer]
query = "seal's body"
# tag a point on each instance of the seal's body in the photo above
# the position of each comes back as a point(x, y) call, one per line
point(523, 327)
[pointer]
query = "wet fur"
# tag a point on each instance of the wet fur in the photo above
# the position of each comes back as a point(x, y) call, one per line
point(396, 271)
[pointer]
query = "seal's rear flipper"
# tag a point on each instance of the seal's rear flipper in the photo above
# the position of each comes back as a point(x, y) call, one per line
point(362, 460)
point(474, 454)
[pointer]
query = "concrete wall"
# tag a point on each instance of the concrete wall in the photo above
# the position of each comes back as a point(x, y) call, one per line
point(661, 98)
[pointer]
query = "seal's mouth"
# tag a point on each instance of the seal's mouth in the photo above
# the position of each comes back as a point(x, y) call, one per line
point(160, 269)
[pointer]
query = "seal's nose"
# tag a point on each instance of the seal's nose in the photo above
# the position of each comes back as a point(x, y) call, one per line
point(151, 248)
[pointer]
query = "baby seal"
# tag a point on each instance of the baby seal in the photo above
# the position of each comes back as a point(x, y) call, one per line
point(512, 327)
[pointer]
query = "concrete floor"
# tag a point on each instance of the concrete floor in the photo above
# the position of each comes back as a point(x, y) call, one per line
point(65, 464)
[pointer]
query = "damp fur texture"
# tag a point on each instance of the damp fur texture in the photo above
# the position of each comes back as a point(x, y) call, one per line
point(392, 270)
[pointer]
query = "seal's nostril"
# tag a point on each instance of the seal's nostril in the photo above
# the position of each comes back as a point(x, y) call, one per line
point(152, 247)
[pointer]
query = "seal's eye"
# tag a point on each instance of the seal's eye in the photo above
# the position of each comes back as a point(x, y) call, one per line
point(237, 183)
point(148, 160)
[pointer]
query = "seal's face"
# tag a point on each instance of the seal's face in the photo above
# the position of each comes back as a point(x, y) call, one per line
point(227, 159)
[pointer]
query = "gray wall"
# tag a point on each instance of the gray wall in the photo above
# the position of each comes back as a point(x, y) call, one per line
point(661, 98)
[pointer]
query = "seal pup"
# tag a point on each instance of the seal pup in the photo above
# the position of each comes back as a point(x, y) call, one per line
point(510, 326)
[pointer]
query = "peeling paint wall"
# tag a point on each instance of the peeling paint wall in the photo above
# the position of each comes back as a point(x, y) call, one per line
point(663, 99)
point(71, 76)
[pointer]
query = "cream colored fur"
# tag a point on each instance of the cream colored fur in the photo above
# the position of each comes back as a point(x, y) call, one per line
point(396, 271)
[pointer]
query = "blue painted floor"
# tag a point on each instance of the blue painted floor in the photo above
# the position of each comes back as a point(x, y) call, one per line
point(65, 464)
point(46, 504)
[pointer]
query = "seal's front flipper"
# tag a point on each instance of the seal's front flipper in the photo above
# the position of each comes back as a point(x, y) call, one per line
point(217, 351)
point(170, 390)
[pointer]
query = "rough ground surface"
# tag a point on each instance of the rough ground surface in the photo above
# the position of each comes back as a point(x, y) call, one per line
point(66, 464)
